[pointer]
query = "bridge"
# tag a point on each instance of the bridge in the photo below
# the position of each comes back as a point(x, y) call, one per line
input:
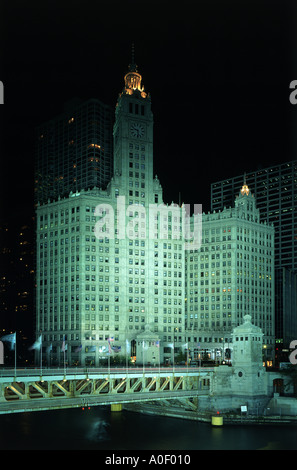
point(26, 390)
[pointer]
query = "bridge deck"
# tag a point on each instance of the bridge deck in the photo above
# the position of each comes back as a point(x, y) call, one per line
point(47, 389)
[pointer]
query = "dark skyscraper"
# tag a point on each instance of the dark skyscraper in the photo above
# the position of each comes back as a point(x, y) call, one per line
point(74, 150)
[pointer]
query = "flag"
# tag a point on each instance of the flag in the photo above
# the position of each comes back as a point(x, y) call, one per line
point(37, 344)
point(157, 343)
point(49, 348)
point(128, 348)
point(10, 339)
point(91, 349)
point(109, 340)
point(64, 346)
point(78, 349)
point(116, 349)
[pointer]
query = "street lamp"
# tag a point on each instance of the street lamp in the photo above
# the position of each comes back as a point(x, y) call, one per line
point(127, 351)
point(175, 331)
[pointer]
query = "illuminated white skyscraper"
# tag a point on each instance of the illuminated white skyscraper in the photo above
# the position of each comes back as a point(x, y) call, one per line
point(119, 283)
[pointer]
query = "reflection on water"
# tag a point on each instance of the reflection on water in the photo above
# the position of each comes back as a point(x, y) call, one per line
point(100, 429)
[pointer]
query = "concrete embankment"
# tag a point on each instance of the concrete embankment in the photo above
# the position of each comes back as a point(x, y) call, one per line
point(206, 416)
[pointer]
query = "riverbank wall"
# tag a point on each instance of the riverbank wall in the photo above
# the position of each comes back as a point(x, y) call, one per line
point(229, 418)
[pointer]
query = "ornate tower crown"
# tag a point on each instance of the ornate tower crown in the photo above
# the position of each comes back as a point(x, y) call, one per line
point(133, 79)
point(245, 189)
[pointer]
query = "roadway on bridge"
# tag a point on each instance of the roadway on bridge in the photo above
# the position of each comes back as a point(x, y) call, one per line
point(46, 404)
point(10, 374)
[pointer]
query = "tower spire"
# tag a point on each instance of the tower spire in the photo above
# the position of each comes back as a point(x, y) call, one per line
point(132, 65)
point(132, 54)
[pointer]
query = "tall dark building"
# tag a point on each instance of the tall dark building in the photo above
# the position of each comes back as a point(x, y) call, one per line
point(74, 150)
point(16, 275)
point(275, 190)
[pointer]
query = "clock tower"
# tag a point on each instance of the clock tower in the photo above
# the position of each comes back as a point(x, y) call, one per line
point(133, 141)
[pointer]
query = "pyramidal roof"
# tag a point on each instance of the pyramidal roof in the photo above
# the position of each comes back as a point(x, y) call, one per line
point(247, 327)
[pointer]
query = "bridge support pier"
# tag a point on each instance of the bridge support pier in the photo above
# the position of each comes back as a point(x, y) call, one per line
point(116, 407)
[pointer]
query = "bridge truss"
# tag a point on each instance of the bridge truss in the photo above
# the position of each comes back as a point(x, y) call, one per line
point(33, 390)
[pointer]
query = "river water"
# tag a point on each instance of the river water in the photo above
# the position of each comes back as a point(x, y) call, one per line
point(99, 428)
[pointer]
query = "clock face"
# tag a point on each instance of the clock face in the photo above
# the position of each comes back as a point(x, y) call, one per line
point(137, 130)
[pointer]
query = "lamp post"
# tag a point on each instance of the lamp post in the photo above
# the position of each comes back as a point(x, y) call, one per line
point(158, 345)
point(175, 331)
point(143, 356)
point(127, 350)
point(186, 345)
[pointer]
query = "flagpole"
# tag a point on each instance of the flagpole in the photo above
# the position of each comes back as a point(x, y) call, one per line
point(15, 356)
point(159, 361)
point(126, 334)
point(64, 358)
point(173, 354)
point(126, 356)
point(143, 355)
point(41, 354)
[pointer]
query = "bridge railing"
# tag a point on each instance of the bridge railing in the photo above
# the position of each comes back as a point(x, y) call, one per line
point(70, 371)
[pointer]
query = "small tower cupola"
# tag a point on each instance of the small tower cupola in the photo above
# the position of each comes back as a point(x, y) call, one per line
point(245, 190)
point(246, 204)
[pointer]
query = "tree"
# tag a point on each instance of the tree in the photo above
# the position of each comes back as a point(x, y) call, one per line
point(181, 356)
point(290, 372)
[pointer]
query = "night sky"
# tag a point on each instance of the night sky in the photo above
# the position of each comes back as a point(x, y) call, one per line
point(218, 73)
